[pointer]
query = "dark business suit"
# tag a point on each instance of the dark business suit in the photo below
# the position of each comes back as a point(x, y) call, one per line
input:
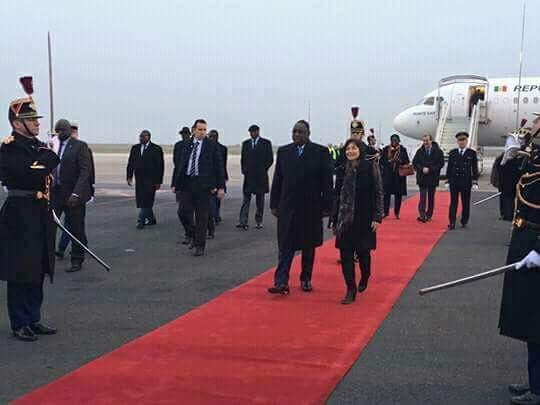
point(433, 159)
point(73, 177)
point(197, 175)
point(301, 193)
point(148, 168)
point(215, 203)
point(257, 157)
point(461, 172)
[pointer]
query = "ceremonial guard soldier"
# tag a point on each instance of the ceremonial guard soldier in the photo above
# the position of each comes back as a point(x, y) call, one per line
point(462, 175)
point(520, 318)
point(357, 132)
point(26, 223)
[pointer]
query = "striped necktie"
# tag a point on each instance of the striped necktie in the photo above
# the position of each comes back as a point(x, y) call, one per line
point(193, 162)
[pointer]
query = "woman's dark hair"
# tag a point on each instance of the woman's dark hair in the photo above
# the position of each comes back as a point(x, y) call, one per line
point(359, 144)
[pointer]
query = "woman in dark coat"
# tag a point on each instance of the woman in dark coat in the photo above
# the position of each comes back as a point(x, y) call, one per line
point(358, 213)
point(393, 156)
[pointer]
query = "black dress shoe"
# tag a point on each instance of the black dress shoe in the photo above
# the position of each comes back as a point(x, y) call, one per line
point(211, 236)
point(428, 219)
point(463, 225)
point(518, 389)
point(40, 329)
point(420, 219)
point(59, 255)
point(186, 241)
point(526, 399)
point(258, 226)
point(451, 226)
point(280, 289)
point(25, 334)
point(199, 251)
point(151, 222)
point(306, 286)
point(363, 285)
point(74, 267)
point(350, 296)
point(140, 225)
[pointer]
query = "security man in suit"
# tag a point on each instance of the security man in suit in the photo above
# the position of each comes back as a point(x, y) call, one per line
point(72, 188)
point(520, 318)
point(462, 176)
point(256, 159)
point(26, 224)
point(215, 203)
point(146, 162)
point(200, 174)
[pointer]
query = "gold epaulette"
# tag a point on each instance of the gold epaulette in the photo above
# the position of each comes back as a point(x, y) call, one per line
point(526, 180)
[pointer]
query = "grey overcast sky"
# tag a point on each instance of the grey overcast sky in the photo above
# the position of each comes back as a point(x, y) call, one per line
point(121, 66)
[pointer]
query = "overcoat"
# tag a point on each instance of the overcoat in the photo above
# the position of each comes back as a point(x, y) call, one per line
point(26, 226)
point(255, 163)
point(434, 162)
point(302, 190)
point(393, 183)
point(148, 170)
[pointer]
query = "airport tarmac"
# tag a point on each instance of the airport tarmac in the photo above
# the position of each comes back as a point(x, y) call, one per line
point(441, 348)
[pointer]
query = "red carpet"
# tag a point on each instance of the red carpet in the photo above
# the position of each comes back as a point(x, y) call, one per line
point(247, 346)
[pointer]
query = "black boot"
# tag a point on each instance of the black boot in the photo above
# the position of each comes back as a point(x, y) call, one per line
point(363, 284)
point(350, 296)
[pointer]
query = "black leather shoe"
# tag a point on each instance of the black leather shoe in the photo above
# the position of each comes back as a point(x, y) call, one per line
point(518, 389)
point(211, 236)
point(259, 226)
point(199, 251)
point(349, 298)
point(463, 225)
point(363, 285)
point(74, 267)
point(428, 219)
point(59, 255)
point(151, 222)
point(306, 286)
point(420, 219)
point(25, 334)
point(526, 399)
point(186, 241)
point(280, 289)
point(40, 329)
point(140, 225)
point(451, 226)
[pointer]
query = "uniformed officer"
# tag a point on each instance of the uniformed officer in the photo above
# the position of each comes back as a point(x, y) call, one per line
point(520, 317)
point(26, 224)
point(462, 175)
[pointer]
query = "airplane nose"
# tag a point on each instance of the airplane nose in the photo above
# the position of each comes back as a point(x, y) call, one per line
point(400, 123)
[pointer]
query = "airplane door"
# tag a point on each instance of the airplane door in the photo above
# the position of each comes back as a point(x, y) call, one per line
point(459, 103)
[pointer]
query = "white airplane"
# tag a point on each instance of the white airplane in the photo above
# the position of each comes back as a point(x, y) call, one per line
point(486, 108)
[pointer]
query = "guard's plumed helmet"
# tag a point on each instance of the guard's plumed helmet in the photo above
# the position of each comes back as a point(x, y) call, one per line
point(24, 108)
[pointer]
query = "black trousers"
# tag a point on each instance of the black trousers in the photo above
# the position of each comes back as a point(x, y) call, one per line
point(347, 266)
point(193, 210)
point(24, 303)
point(397, 203)
point(457, 191)
point(507, 207)
point(534, 367)
point(426, 193)
point(76, 217)
point(286, 256)
point(244, 211)
point(213, 216)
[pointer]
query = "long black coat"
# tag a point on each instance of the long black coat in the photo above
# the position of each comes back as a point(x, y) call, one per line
point(393, 183)
point(301, 193)
point(520, 317)
point(368, 207)
point(255, 163)
point(26, 226)
point(434, 162)
point(76, 173)
point(148, 170)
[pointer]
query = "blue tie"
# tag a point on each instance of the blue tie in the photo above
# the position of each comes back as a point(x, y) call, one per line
point(300, 150)
point(56, 172)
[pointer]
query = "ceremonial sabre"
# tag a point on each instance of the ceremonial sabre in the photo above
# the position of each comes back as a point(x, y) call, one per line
point(487, 198)
point(78, 242)
point(470, 279)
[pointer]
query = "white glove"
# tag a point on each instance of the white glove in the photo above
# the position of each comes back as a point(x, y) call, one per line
point(529, 261)
point(475, 187)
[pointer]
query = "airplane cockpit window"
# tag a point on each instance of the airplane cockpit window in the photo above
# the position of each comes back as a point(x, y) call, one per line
point(429, 101)
point(421, 101)
point(441, 99)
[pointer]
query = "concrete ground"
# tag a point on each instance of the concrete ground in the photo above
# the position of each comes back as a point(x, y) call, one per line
point(441, 348)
